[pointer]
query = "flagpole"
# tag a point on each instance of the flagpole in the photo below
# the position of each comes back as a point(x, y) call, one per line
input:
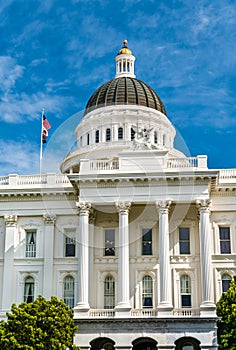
point(41, 143)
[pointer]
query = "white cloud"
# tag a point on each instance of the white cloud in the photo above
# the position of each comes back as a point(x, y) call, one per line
point(10, 71)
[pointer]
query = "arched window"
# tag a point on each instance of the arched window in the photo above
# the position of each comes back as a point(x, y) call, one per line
point(97, 136)
point(155, 137)
point(108, 134)
point(132, 134)
point(109, 292)
point(226, 279)
point(185, 291)
point(120, 133)
point(147, 292)
point(69, 291)
point(29, 289)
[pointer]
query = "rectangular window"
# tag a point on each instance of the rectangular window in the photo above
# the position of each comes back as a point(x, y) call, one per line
point(108, 134)
point(70, 244)
point(184, 240)
point(97, 136)
point(30, 244)
point(147, 241)
point(109, 242)
point(225, 247)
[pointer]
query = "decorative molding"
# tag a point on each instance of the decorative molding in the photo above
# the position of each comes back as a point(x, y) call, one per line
point(83, 208)
point(10, 220)
point(163, 206)
point(123, 207)
point(204, 205)
point(49, 219)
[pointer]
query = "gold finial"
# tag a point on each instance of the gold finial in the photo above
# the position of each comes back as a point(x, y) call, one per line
point(125, 50)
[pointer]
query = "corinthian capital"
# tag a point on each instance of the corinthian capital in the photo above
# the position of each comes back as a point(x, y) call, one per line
point(49, 218)
point(83, 208)
point(204, 205)
point(123, 207)
point(10, 220)
point(163, 206)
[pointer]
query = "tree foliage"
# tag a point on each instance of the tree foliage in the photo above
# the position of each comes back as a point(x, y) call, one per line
point(226, 310)
point(40, 325)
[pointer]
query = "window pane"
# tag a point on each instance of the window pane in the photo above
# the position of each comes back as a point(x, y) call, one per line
point(147, 292)
point(132, 134)
point(184, 240)
point(109, 293)
point(147, 242)
point(185, 284)
point(30, 244)
point(29, 290)
point(186, 300)
point(225, 246)
point(70, 244)
point(226, 279)
point(97, 136)
point(69, 286)
point(108, 135)
point(109, 242)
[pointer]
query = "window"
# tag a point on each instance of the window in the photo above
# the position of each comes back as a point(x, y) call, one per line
point(164, 140)
point(109, 242)
point(30, 244)
point(225, 247)
point(69, 291)
point(97, 136)
point(109, 293)
point(147, 241)
point(120, 133)
point(147, 292)
point(185, 291)
point(226, 279)
point(81, 141)
point(108, 134)
point(184, 240)
point(70, 244)
point(155, 137)
point(132, 134)
point(87, 139)
point(29, 290)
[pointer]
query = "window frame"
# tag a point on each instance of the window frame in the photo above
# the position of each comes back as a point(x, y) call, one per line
point(225, 244)
point(147, 293)
point(30, 244)
point(97, 136)
point(70, 298)
point(109, 293)
point(70, 236)
point(225, 286)
point(186, 291)
point(109, 242)
point(184, 241)
point(29, 285)
point(108, 134)
point(146, 244)
point(120, 133)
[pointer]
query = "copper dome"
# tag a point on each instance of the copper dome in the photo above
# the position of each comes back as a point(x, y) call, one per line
point(125, 91)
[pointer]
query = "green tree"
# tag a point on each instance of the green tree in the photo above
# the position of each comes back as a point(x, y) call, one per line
point(226, 310)
point(40, 325)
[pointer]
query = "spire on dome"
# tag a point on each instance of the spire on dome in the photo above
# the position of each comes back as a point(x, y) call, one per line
point(125, 62)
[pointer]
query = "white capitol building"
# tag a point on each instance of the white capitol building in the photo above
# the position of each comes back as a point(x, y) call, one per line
point(134, 235)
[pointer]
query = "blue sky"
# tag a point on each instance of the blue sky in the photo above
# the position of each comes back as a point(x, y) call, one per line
point(56, 53)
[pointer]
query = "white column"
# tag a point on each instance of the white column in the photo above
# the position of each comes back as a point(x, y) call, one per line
point(208, 306)
point(83, 257)
point(165, 306)
point(92, 219)
point(8, 287)
point(123, 260)
point(49, 221)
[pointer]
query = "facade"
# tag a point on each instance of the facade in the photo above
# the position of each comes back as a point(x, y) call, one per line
point(137, 238)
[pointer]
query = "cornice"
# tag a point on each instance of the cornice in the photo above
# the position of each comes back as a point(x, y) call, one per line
point(22, 197)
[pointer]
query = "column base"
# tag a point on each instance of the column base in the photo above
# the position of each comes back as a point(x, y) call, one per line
point(165, 309)
point(81, 310)
point(123, 310)
point(208, 309)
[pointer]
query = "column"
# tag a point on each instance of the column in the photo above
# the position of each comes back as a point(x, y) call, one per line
point(123, 306)
point(208, 306)
point(49, 221)
point(83, 257)
point(92, 219)
point(165, 306)
point(8, 287)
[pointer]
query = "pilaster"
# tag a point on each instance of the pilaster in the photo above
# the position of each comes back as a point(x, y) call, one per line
point(165, 306)
point(208, 307)
point(123, 308)
point(82, 306)
point(49, 222)
point(8, 286)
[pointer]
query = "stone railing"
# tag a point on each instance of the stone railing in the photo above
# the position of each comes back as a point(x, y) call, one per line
point(227, 176)
point(19, 181)
point(190, 162)
point(142, 313)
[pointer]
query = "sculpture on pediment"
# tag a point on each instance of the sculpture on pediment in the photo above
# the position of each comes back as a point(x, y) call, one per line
point(142, 139)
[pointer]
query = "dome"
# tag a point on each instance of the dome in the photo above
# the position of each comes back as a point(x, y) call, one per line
point(125, 50)
point(125, 91)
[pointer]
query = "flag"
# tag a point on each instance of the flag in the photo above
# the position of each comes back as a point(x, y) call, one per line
point(45, 127)
point(46, 123)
